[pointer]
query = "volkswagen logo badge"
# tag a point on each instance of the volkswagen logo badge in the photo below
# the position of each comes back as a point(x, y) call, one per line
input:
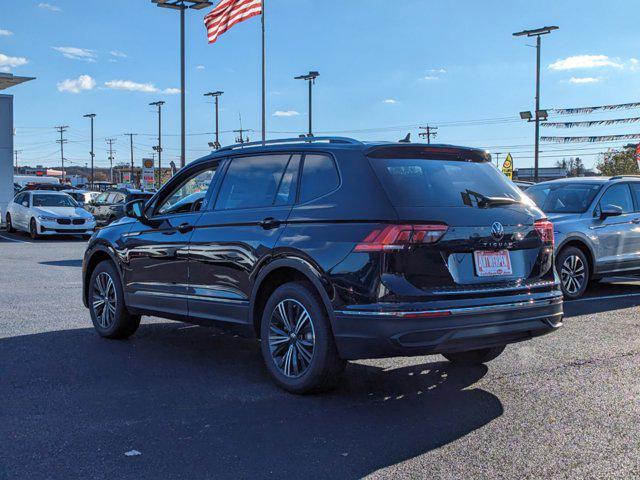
point(497, 230)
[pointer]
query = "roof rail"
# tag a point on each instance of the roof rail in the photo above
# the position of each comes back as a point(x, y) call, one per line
point(343, 140)
point(618, 177)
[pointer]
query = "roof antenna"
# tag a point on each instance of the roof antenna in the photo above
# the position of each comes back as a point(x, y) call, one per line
point(406, 139)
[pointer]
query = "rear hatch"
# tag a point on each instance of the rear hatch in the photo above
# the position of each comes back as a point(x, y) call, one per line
point(462, 224)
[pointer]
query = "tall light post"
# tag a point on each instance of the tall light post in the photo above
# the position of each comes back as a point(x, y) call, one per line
point(182, 5)
point(311, 78)
point(216, 96)
point(537, 32)
point(158, 148)
point(91, 116)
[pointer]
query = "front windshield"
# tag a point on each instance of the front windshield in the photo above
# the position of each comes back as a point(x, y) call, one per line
point(564, 197)
point(44, 200)
point(442, 183)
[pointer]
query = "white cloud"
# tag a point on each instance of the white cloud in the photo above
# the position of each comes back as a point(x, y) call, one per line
point(582, 80)
point(431, 77)
point(48, 6)
point(118, 53)
point(437, 70)
point(389, 101)
point(171, 91)
point(7, 62)
point(131, 86)
point(76, 85)
point(585, 61)
point(76, 53)
point(200, 67)
point(5, 33)
point(285, 113)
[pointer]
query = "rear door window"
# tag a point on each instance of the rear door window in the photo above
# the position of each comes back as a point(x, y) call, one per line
point(319, 177)
point(252, 182)
point(441, 183)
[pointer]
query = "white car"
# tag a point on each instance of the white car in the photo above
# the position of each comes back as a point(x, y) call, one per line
point(48, 213)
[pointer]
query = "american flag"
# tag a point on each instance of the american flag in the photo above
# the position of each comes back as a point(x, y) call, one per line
point(227, 13)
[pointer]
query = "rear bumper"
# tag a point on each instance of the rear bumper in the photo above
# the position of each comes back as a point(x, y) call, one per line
point(388, 333)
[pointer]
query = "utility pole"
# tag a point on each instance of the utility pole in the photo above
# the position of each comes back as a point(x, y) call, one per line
point(110, 141)
point(498, 159)
point(311, 78)
point(158, 148)
point(91, 116)
point(16, 152)
point(240, 138)
point(538, 32)
point(131, 135)
point(428, 133)
point(216, 96)
point(61, 129)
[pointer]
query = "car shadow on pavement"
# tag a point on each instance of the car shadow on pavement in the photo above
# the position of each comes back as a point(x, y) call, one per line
point(64, 263)
point(197, 403)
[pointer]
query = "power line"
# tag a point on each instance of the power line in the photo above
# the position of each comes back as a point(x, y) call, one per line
point(428, 132)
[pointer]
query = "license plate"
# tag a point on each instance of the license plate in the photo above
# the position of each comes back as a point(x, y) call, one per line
point(492, 264)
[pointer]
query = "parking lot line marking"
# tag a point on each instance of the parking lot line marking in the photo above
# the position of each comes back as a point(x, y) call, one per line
point(605, 297)
point(14, 239)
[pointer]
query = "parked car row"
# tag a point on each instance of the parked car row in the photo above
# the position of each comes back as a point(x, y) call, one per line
point(52, 211)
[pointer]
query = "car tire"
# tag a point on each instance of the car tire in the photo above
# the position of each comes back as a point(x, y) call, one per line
point(300, 355)
point(110, 318)
point(33, 229)
point(573, 268)
point(474, 357)
point(10, 228)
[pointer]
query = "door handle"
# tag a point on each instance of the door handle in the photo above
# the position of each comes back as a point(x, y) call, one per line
point(184, 227)
point(269, 223)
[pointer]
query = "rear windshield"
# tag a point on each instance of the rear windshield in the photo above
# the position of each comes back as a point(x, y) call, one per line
point(441, 183)
point(564, 197)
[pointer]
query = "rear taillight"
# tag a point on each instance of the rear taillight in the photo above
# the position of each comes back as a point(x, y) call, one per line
point(399, 237)
point(545, 230)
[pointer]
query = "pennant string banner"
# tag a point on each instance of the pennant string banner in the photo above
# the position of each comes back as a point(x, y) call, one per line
point(602, 138)
point(591, 123)
point(575, 111)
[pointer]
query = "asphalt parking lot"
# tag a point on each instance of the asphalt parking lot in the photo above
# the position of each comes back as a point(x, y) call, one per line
point(197, 403)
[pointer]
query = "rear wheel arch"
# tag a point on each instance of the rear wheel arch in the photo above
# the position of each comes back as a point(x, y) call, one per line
point(278, 273)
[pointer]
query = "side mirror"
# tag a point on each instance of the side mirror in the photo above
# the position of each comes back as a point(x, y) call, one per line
point(135, 209)
point(25, 204)
point(610, 211)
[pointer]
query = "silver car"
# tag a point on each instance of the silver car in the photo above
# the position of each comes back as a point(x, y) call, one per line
point(596, 225)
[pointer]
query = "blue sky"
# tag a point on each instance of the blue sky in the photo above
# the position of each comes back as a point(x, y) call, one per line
point(385, 66)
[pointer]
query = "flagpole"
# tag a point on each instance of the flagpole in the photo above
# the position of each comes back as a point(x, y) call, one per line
point(264, 108)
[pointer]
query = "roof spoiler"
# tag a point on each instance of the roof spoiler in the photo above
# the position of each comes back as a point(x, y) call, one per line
point(443, 152)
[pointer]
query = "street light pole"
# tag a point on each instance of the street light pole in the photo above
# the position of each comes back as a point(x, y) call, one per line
point(182, 5)
point(158, 148)
point(311, 78)
point(537, 33)
point(131, 135)
point(91, 116)
point(216, 96)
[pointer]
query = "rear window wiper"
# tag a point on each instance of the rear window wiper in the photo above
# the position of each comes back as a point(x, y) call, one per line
point(485, 201)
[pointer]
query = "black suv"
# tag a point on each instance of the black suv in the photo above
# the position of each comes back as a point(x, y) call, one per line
point(330, 249)
point(109, 205)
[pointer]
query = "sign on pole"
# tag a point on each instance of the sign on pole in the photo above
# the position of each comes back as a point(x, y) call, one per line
point(148, 173)
point(638, 154)
point(507, 167)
